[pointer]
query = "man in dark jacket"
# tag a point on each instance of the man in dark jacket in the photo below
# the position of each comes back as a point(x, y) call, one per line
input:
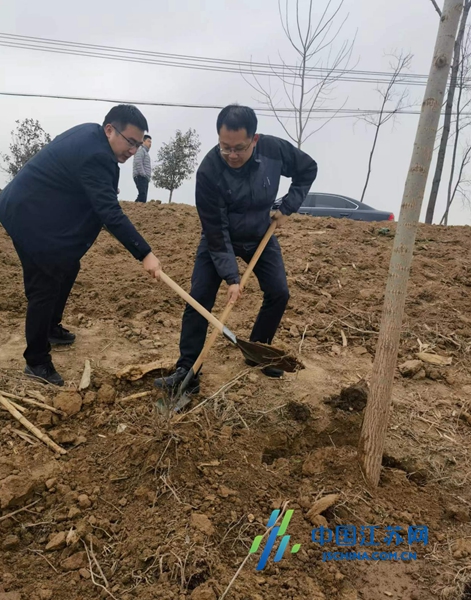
point(236, 185)
point(54, 210)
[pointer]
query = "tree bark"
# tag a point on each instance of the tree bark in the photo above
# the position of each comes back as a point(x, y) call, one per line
point(170, 197)
point(448, 113)
point(375, 422)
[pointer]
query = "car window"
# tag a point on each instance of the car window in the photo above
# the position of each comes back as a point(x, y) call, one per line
point(310, 201)
point(326, 201)
point(332, 201)
point(351, 205)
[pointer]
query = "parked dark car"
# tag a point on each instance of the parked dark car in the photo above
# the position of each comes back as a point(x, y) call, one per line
point(334, 205)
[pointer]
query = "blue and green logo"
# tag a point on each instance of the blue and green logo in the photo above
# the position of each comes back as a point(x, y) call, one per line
point(275, 532)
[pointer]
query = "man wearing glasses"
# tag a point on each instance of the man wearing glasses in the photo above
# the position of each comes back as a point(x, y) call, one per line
point(54, 210)
point(236, 185)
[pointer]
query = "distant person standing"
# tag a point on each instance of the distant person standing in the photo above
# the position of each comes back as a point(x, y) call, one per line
point(141, 169)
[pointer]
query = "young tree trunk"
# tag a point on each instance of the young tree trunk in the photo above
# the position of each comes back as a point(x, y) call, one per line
point(370, 162)
point(402, 62)
point(451, 197)
point(455, 149)
point(447, 122)
point(375, 422)
point(464, 71)
point(170, 197)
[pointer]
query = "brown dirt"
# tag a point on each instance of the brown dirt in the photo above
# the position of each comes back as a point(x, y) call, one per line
point(170, 507)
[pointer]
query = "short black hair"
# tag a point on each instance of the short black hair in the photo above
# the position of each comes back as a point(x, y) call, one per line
point(147, 137)
point(126, 114)
point(236, 117)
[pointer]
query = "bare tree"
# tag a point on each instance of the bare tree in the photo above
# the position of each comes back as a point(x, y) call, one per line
point(304, 89)
point(460, 124)
point(460, 185)
point(448, 111)
point(389, 94)
point(375, 421)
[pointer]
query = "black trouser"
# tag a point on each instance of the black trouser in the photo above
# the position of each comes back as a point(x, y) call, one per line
point(205, 282)
point(47, 290)
point(142, 184)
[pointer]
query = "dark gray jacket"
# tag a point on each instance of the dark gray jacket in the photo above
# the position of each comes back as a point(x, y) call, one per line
point(234, 204)
point(56, 206)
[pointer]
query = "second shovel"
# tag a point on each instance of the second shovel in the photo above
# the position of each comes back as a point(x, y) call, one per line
point(181, 398)
point(261, 354)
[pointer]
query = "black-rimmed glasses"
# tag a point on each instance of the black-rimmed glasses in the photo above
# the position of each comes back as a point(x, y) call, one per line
point(132, 143)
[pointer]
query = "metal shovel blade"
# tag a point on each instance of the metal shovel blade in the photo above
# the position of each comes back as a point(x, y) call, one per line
point(183, 400)
point(258, 353)
point(173, 400)
point(263, 354)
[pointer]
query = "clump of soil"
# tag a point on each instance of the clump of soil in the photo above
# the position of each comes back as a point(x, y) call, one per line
point(351, 398)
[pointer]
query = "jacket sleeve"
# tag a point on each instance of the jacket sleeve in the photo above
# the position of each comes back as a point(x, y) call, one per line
point(215, 223)
point(302, 169)
point(99, 179)
point(147, 166)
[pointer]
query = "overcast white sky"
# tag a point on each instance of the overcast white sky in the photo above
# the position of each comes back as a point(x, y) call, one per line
point(214, 28)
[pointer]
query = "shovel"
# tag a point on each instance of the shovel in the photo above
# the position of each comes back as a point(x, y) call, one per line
point(183, 399)
point(262, 354)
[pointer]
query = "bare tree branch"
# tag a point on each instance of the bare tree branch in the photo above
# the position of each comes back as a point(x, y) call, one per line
point(269, 101)
point(314, 48)
point(328, 120)
point(437, 8)
point(465, 160)
point(400, 64)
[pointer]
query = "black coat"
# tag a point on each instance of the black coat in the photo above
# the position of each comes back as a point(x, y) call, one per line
point(56, 206)
point(234, 204)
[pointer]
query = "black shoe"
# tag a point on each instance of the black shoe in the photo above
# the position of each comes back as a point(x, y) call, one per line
point(173, 381)
point(268, 371)
point(47, 372)
point(61, 336)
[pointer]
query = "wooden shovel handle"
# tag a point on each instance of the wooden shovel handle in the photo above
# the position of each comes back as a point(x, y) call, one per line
point(227, 311)
point(191, 301)
point(258, 252)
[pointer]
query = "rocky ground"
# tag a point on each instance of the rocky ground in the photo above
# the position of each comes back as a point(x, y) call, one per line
point(146, 506)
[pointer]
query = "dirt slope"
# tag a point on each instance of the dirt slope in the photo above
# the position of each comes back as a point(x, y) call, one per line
point(170, 507)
